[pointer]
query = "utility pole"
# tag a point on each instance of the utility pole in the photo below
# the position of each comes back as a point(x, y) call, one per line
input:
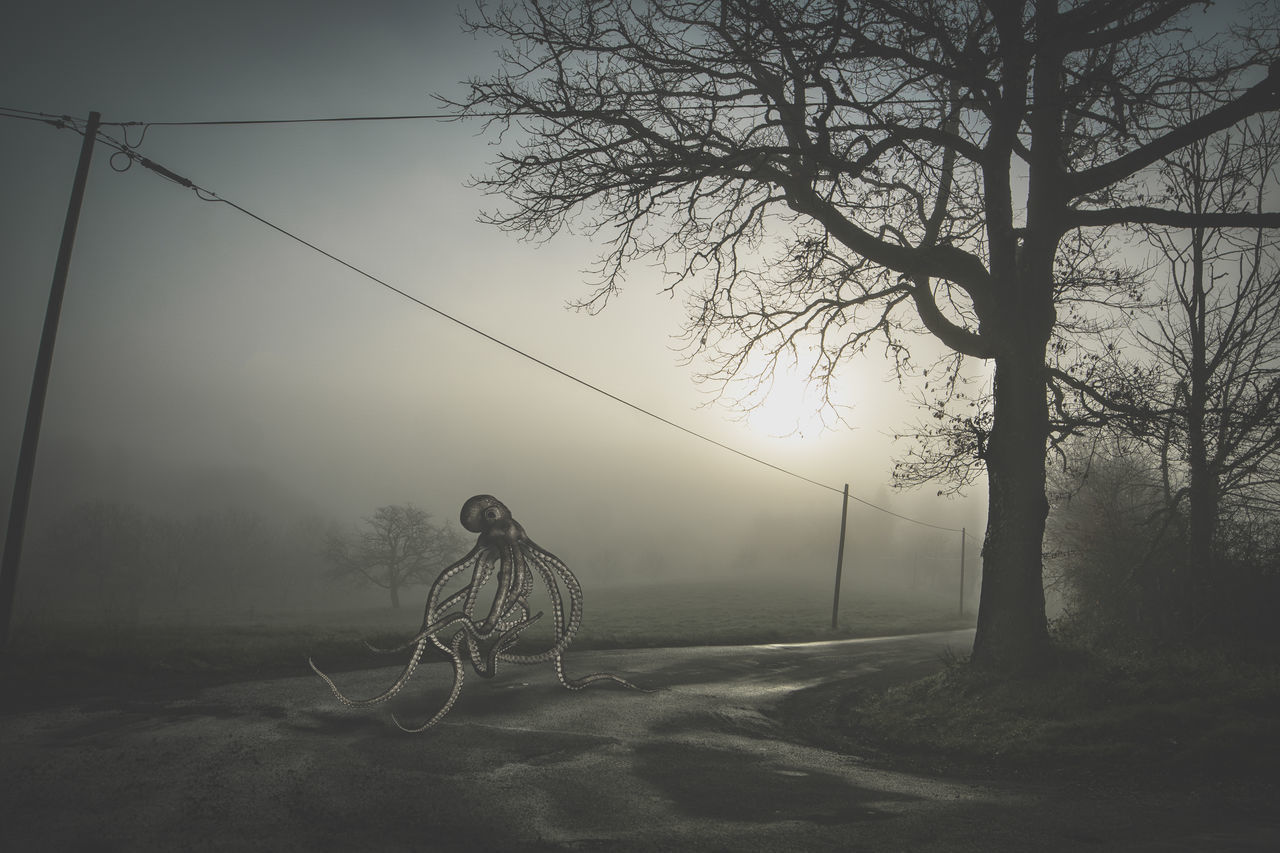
point(962, 534)
point(39, 386)
point(844, 517)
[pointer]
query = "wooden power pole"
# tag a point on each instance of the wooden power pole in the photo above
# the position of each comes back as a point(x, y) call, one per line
point(844, 517)
point(39, 386)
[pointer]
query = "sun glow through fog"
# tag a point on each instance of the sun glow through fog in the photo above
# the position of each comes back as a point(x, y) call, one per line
point(792, 406)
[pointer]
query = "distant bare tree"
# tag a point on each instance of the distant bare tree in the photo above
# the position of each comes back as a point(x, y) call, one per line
point(1220, 340)
point(831, 174)
point(1198, 381)
point(1201, 383)
point(396, 546)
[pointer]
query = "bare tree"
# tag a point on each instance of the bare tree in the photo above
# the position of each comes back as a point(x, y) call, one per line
point(1218, 347)
point(396, 546)
point(826, 174)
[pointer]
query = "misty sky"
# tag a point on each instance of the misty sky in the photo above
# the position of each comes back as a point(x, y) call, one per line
point(196, 340)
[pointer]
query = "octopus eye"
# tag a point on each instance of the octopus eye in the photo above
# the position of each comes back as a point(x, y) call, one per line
point(492, 513)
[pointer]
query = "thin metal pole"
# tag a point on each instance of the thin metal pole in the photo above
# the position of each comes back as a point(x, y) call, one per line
point(844, 518)
point(39, 386)
point(962, 534)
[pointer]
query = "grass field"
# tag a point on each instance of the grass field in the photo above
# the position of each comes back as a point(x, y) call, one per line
point(1184, 712)
point(61, 658)
point(697, 614)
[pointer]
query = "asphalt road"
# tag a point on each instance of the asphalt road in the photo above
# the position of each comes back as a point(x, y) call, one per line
point(522, 764)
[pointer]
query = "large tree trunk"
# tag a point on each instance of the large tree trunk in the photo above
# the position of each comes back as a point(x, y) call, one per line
point(1012, 632)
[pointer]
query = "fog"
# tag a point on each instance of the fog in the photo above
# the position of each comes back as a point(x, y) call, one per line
point(207, 364)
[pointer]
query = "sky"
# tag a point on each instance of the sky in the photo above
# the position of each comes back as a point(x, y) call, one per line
point(203, 357)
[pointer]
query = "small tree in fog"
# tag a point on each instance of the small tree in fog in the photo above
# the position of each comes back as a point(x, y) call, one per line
point(396, 546)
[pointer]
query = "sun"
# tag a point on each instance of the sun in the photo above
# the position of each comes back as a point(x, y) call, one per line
point(791, 406)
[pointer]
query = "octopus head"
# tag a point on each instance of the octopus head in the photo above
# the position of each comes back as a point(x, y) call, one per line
point(488, 516)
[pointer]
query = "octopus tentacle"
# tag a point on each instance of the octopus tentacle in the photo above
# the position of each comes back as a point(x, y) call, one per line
point(570, 581)
point(524, 611)
point(579, 683)
point(400, 682)
point(513, 595)
point(382, 697)
point(563, 633)
point(425, 632)
point(471, 593)
point(459, 673)
point(498, 610)
point(509, 563)
point(505, 550)
point(432, 609)
point(483, 570)
point(526, 583)
point(473, 556)
point(469, 627)
point(508, 641)
point(521, 603)
point(486, 666)
point(575, 620)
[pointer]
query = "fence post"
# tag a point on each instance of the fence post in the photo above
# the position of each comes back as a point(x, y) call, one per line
point(844, 517)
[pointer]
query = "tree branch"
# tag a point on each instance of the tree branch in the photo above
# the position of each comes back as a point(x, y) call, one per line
point(960, 339)
point(1143, 215)
point(1259, 98)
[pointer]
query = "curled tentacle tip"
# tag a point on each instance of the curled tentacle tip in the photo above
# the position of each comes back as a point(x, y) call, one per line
point(413, 731)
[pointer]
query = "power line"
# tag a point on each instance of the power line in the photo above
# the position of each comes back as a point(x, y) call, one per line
point(853, 497)
point(208, 195)
point(25, 113)
point(330, 120)
point(43, 118)
point(1227, 90)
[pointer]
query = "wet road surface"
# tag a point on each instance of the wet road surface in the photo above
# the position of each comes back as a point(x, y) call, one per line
point(522, 764)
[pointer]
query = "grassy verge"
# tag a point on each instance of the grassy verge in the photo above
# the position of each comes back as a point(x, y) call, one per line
point(1183, 713)
point(60, 660)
